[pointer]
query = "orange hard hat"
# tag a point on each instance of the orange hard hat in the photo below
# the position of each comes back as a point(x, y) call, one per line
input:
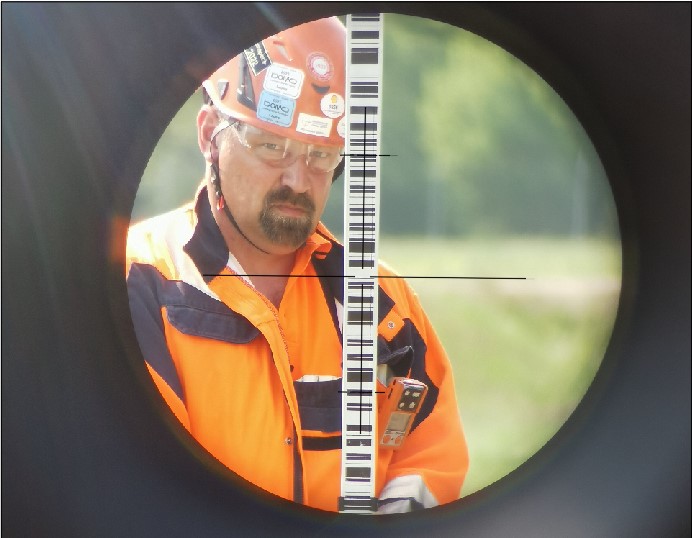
point(291, 83)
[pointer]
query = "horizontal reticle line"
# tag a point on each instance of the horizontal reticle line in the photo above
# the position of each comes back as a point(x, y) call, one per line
point(368, 155)
point(451, 277)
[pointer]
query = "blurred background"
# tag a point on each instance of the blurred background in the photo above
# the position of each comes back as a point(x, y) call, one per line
point(492, 176)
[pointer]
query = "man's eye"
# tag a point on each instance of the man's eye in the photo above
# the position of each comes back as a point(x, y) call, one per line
point(272, 146)
point(317, 154)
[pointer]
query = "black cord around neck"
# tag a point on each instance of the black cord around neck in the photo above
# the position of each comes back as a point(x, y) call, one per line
point(221, 200)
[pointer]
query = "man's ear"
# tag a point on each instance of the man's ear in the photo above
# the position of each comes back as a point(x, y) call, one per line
point(207, 119)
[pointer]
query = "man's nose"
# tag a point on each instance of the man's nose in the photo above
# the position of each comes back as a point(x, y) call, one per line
point(295, 175)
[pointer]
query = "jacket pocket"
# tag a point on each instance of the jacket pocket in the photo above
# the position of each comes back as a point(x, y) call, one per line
point(319, 405)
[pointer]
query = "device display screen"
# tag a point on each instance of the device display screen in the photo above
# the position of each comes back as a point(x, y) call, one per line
point(398, 422)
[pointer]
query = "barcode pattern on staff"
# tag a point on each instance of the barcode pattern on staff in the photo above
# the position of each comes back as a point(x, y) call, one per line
point(361, 212)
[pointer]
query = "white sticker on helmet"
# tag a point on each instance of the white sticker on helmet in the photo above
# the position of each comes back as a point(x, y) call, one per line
point(283, 80)
point(341, 127)
point(275, 109)
point(313, 125)
point(332, 105)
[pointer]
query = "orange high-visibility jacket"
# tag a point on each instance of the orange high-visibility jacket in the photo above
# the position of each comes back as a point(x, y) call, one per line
point(259, 387)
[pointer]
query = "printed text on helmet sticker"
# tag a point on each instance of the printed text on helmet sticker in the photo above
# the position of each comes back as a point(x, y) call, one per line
point(257, 58)
point(283, 80)
point(332, 105)
point(275, 109)
point(320, 67)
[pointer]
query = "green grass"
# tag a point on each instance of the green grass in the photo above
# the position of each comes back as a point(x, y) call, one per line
point(523, 352)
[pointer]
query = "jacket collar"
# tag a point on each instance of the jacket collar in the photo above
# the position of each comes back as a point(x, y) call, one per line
point(206, 247)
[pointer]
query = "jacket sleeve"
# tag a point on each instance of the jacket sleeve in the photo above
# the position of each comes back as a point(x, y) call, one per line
point(429, 469)
point(143, 286)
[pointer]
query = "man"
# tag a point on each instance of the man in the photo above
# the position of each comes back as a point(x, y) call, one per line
point(234, 309)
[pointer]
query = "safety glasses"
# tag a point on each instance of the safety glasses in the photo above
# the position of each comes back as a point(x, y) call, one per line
point(280, 152)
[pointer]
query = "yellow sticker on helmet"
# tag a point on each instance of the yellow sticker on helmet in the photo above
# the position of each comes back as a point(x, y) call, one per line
point(332, 105)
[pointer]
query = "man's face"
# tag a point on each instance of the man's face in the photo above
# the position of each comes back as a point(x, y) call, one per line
point(277, 208)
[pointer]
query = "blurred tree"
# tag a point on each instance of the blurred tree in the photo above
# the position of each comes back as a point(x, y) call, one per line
point(504, 149)
point(175, 168)
point(412, 46)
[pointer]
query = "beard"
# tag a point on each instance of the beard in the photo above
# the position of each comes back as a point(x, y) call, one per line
point(283, 230)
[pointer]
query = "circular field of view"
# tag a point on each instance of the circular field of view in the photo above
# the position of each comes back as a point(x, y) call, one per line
point(495, 200)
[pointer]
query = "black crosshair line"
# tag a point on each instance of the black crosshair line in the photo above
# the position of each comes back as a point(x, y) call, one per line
point(407, 277)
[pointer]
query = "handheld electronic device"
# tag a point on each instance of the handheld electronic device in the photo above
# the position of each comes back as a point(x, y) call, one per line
point(403, 400)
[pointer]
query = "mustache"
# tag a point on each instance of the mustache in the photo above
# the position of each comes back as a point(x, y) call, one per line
point(286, 195)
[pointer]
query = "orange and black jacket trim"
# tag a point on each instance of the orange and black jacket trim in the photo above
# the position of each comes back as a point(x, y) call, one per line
point(258, 386)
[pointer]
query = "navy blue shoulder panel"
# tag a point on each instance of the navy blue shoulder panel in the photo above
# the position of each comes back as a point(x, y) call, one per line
point(188, 309)
point(143, 283)
point(195, 313)
point(206, 247)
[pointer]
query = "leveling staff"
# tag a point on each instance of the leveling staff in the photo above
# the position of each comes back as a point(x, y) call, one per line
point(250, 364)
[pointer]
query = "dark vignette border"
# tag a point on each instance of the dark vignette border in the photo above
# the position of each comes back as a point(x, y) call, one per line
point(87, 91)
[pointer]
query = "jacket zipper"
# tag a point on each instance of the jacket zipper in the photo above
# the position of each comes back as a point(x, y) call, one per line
point(298, 489)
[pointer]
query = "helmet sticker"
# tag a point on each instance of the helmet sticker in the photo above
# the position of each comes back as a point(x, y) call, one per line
point(332, 105)
point(257, 58)
point(245, 93)
point(320, 66)
point(283, 80)
point(313, 125)
point(275, 109)
point(341, 127)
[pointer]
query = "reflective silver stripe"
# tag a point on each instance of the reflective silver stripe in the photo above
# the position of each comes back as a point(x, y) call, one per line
point(403, 488)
